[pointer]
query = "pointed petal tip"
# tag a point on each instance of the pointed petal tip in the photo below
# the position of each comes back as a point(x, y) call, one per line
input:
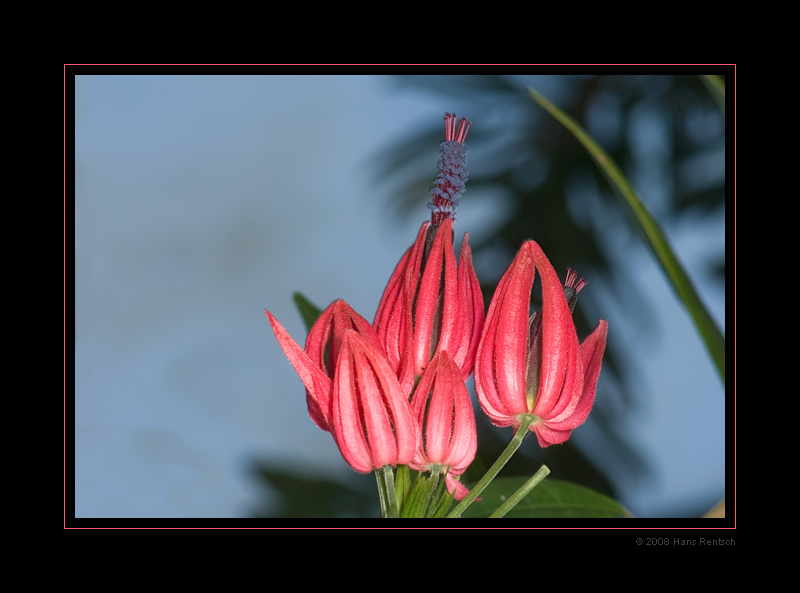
point(454, 485)
point(319, 387)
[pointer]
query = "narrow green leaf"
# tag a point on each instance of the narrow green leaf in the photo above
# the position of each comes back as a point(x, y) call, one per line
point(444, 505)
point(417, 501)
point(435, 492)
point(709, 332)
point(402, 484)
point(716, 88)
point(308, 310)
point(387, 492)
point(552, 499)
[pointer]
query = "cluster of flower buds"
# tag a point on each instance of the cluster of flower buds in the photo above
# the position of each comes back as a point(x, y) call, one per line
point(393, 392)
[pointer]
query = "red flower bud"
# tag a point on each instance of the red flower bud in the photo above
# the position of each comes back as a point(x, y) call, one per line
point(430, 305)
point(535, 365)
point(325, 336)
point(372, 420)
point(444, 413)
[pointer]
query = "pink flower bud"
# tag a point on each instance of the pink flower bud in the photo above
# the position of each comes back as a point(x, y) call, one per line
point(444, 414)
point(535, 365)
point(372, 420)
point(430, 305)
point(326, 335)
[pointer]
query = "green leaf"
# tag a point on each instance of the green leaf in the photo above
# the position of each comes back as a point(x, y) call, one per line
point(444, 505)
point(417, 502)
point(309, 311)
point(552, 499)
point(402, 484)
point(707, 328)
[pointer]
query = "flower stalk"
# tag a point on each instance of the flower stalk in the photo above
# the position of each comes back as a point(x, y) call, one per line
point(512, 501)
point(386, 492)
point(492, 472)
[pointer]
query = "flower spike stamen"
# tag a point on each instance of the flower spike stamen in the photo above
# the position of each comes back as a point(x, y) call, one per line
point(450, 132)
point(449, 185)
point(572, 286)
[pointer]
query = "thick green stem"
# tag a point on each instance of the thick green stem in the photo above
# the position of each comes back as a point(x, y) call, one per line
point(386, 492)
point(521, 493)
point(495, 469)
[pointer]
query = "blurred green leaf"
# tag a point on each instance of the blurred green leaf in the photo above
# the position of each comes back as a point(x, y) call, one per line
point(309, 311)
point(716, 88)
point(552, 499)
point(710, 333)
point(294, 493)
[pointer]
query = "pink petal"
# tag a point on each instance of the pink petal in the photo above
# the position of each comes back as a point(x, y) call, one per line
point(454, 485)
point(392, 318)
point(512, 331)
point(592, 350)
point(560, 374)
point(436, 311)
point(319, 388)
point(500, 359)
point(470, 298)
point(548, 436)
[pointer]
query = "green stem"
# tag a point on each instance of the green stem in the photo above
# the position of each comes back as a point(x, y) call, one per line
point(521, 493)
point(495, 469)
point(386, 492)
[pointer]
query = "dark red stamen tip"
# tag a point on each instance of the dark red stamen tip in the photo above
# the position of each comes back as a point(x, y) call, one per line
point(572, 285)
point(571, 281)
point(450, 131)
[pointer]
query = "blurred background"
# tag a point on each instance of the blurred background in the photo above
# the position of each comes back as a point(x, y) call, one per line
point(202, 200)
